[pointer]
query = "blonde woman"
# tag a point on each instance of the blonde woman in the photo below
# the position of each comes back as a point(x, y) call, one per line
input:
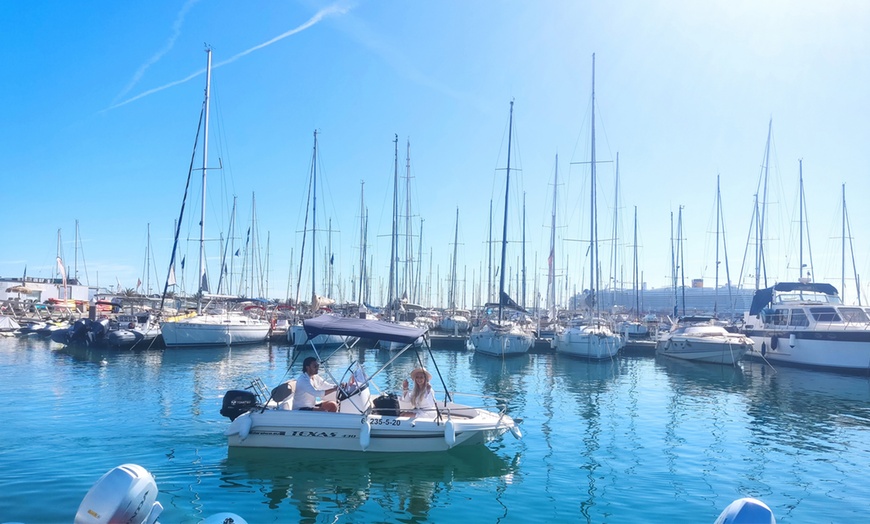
point(421, 398)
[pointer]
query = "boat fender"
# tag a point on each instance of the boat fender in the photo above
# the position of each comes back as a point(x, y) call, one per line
point(763, 349)
point(450, 434)
point(365, 434)
point(774, 342)
point(791, 340)
point(245, 426)
point(515, 431)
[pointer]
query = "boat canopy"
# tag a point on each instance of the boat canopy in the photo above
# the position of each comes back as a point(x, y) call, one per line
point(764, 297)
point(359, 327)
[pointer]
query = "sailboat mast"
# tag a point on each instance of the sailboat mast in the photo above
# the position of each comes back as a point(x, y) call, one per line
point(682, 257)
point(634, 273)
point(504, 228)
point(523, 268)
point(489, 255)
point(762, 217)
point(843, 251)
point(314, 221)
point(615, 238)
point(593, 225)
point(393, 280)
point(408, 276)
point(801, 220)
point(453, 273)
point(203, 285)
point(716, 285)
point(362, 242)
point(551, 260)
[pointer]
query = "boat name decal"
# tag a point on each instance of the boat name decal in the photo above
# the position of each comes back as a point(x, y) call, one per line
point(312, 434)
point(273, 433)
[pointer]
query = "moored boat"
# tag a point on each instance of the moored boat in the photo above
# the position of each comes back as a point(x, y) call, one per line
point(363, 422)
point(701, 339)
point(806, 324)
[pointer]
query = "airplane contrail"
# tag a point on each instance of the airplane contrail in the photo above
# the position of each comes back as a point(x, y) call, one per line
point(334, 9)
point(176, 31)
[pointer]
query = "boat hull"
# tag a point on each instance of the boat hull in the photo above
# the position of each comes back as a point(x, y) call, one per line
point(289, 429)
point(213, 330)
point(707, 351)
point(588, 343)
point(501, 342)
point(836, 350)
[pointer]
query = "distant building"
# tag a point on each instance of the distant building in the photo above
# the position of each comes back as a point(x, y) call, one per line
point(32, 289)
point(698, 300)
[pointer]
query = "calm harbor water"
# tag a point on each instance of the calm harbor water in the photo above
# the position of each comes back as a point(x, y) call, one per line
point(639, 439)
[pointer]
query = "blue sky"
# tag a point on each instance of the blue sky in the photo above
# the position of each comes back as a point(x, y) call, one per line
point(101, 102)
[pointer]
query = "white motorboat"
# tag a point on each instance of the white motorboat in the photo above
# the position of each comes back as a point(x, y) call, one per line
point(700, 339)
point(363, 421)
point(806, 324)
point(591, 339)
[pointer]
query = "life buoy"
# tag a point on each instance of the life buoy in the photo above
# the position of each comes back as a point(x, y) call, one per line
point(774, 342)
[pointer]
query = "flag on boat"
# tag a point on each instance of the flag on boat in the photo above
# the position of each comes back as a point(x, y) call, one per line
point(550, 260)
point(237, 251)
point(171, 280)
point(182, 262)
point(61, 270)
point(138, 283)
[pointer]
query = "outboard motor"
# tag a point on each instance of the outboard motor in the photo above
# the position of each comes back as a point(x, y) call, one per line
point(237, 402)
point(126, 493)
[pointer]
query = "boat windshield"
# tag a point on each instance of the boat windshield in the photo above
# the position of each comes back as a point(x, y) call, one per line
point(807, 296)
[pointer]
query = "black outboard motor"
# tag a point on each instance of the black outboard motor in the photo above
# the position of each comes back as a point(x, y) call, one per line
point(237, 402)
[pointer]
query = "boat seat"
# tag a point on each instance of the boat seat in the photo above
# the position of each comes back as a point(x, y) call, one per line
point(282, 392)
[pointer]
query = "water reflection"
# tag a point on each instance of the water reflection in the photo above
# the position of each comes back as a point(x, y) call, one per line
point(806, 409)
point(703, 379)
point(500, 377)
point(323, 483)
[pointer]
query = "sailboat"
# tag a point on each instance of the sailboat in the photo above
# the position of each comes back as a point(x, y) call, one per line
point(591, 337)
point(296, 335)
point(212, 324)
point(499, 336)
point(454, 322)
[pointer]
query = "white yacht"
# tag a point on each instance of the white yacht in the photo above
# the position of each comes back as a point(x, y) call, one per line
point(701, 339)
point(806, 324)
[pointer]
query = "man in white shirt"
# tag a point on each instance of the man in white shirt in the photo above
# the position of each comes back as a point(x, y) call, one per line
point(310, 386)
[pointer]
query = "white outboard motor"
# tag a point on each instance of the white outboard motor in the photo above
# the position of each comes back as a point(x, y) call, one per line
point(127, 493)
point(746, 511)
point(224, 518)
